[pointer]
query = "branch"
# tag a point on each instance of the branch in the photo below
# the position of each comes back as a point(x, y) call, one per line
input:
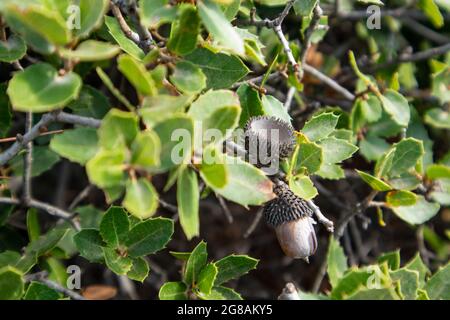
point(42, 277)
point(317, 13)
point(424, 31)
point(413, 57)
point(35, 131)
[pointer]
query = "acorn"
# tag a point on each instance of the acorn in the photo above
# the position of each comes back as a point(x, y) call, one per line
point(291, 218)
point(268, 139)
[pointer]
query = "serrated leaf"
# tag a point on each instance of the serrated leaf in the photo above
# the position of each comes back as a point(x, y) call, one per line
point(233, 266)
point(11, 283)
point(39, 88)
point(196, 262)
point(336, 150)
point(221, 70)
point(114, 226)
point(188, 197)
point(409, 282)
point(438, 287)
point(116, 263)
point(222, 293)
point(206, 278)
point(416, 264)
point(320, 126)
point(173, 291)
point(309, 156)
point(89, 243)
point(391, 258)
point(336, 262)
point(139, 271)
point(39, 291)
point(250, 102)
point(149, 236)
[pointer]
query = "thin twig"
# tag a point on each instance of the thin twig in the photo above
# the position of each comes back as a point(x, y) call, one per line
point(130, 34)
point(42, 277)
point(289, 98)
point(225, 209)
point(80, 197)
point(320, 217)
point(254, 223)
point(424, 31)
point(317, 14)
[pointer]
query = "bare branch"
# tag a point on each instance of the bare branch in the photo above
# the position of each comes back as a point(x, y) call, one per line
point(42, 277)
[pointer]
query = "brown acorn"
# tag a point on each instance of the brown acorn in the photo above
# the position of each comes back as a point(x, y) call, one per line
point(268, 139)
point(291, 218)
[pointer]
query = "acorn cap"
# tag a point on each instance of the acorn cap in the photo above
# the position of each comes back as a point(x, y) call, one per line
point(285, 207)
point(262, 131)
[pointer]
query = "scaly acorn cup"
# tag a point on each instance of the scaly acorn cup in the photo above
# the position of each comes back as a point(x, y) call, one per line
point(291, 218)
point(268, 139)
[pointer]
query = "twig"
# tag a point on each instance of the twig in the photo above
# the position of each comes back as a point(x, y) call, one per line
point(49, 133)
point(329, 82)
point(254, 223)
point(289, 98)
point(414, 57)
point(130, 34)
point(225, 209)
point(42, 277)
point(424, 31)
point(127, 286)
point(320, 217)
point(168, 206)
point(51, 210)
point(83, 194)
point(28, 161)
point(317, 13)
point(35, 131)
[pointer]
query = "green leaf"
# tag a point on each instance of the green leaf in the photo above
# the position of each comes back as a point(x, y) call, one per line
point(44, 160)
point(39, 88)
point(91, 16)
point(374, 294)
point(440, 83)
point(336, 150)
point(391, 258)
point(78, 145)
point(146, 150)
point(149, 236)
point(233, 267)
point(431, 10)
point(331, 171)
point(437, 171)
point(350, 283)
point(406, 181)
point(33, 18)
point(418, 213)
point(304, 7)
point(397, 106)
point(114, 226)
point(90, 103)
point(222, 293)
point(106, 169)
point(91, 50)
point(116, 93)
point(208, 103)
point(373, 147)
point(162, 107)
point(139, 271)
point(196, 262)
point(437, 118)
point(137, 74)
point(156, 12)
point(117, 263)
point(11, 283)
point(5, 111)
point(401, 198)
point(438, 287)
point(219, 27)
point(309, 156)
point(141, 198)
point(246, 184)
point(89, 243)
point(176, 149)
point(188, 78)
point(46, 242)
point(126, 44)
point(118, 128)
point(39, 291)
point(303, 187)
point(188, 203)
point(336, 262)
point(251, 103)
point(33, 226)
point(221, 70)
point(274, 108)
point(416, 264)
point(206, 278)
point(223, 121)
point(320, 126)
point(184, 32)
point(9, 258)
point(173, 291)
point(13, 49)
point(214, 171)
